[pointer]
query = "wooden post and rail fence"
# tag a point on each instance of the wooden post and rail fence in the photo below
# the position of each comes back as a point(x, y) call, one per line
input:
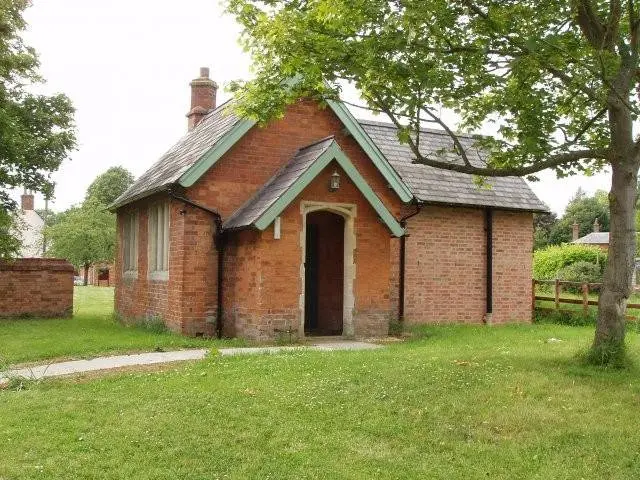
point(585, 288)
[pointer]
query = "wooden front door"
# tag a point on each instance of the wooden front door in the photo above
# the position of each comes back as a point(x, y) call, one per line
point(324, 274)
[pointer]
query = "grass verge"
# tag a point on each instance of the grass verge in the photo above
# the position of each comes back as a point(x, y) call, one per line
point(92, 331)
point(454, 402)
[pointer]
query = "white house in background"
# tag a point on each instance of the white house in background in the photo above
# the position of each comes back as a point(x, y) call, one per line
point(31, 227)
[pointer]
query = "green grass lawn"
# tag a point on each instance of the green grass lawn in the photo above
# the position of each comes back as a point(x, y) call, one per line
point(465, 402)
point(92, 331)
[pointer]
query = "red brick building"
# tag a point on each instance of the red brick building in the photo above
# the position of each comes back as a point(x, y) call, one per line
point(316, 223)
point(100, 274)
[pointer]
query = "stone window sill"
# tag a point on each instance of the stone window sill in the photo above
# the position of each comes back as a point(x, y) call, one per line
point(160, 276)
point(130, 274)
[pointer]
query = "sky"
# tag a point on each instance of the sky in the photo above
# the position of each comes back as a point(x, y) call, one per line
point(126, 65)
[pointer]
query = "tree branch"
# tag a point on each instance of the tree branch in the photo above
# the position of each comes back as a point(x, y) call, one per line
point(634, 22)
point(552, 162)
point(583, 129)
point(590, 23)
point(613, 25)
point(559, 74)
point(467, 167)
point(456, 141)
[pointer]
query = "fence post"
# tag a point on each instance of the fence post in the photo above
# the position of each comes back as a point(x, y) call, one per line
point(533, 295)
point(585, 298)
point(557, 294)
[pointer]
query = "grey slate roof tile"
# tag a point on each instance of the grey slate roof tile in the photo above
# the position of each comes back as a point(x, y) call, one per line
point(251, 211)
point(594, 237)
point(430, 184)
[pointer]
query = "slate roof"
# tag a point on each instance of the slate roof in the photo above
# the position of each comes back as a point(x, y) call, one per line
point(598, 238)
point(427, 184)
point(277, 185)
point(435, 185)
point(177, 160)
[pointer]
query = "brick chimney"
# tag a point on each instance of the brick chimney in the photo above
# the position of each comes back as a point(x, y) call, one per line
point(26, 201)
point(596, 226)
point(576, 231)
point(203, 97)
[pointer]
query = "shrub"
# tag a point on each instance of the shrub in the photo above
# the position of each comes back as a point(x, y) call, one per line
point(548, 261)
point(583, 272)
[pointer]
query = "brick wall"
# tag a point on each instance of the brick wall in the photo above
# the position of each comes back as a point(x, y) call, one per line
point(263, 150)
point(184, 300)
point(262, 276)
point(263, 284)
point(40, 287)
point(94, 275)
point(512, 266)
point(445, 278)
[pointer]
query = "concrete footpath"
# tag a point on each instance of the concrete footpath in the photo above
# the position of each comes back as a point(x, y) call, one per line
point(152, 358)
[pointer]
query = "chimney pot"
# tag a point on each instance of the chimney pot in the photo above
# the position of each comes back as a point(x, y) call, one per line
point(596, 226)
point(203, 97)
point(576, 231)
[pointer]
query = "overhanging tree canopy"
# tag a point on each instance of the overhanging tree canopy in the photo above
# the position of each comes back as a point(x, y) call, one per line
point(559, 79)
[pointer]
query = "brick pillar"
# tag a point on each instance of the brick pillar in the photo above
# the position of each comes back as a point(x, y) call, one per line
point(203, 97)
point(575, 232)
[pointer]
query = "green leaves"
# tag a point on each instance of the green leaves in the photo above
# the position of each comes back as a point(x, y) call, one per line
point(87, 234)
point(36, 131)
point(84, 235)
point(109, 185)
point(525, 64)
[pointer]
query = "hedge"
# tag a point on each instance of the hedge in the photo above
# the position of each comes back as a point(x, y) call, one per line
point(548, 261)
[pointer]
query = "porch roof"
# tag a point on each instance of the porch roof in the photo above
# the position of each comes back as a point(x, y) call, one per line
point(262, 209)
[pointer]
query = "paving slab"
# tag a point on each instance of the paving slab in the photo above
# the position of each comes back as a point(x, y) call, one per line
point(152, 358)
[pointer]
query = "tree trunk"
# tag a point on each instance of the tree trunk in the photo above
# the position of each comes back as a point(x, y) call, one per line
point(608, 344)
point(86, 274)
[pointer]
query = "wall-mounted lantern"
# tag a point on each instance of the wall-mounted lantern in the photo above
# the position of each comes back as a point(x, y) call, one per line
point(334, 182)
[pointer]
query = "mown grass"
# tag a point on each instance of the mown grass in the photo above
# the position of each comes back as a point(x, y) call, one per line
point(455, 402)
point(92, 331)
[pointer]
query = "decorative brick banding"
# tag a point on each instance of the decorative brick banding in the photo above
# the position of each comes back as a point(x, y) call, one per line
point(36, 287)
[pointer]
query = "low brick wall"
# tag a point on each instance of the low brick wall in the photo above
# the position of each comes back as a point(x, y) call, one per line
point(41, 287)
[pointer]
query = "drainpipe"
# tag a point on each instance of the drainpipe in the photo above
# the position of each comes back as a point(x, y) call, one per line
point(403, 249)
point(488, 217)
point(220, 243)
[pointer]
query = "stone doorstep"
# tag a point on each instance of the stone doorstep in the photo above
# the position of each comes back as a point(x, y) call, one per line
point(119, 361)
